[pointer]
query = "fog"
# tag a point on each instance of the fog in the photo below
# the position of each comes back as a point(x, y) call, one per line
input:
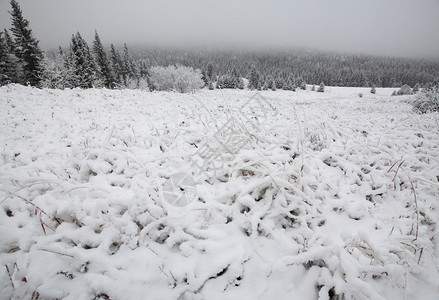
point(382, 27)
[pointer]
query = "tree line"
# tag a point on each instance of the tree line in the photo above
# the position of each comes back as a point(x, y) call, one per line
point(22, 61)
point(289, 69)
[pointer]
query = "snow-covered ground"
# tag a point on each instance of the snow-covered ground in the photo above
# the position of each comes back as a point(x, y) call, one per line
point(316, 195)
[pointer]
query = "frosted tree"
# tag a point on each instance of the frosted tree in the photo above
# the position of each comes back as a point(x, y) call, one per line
point(71, 79)
point(253, 79)
point(102, 62)
point(59, 71)
point(180, 78)
point(204, 77)
point(26, 47)
point(210, 70)
point(83, 63)
point(52, 76)
point(416, 88)
point(129, 72)
point(273, 86)
point(116, 64)
point(8, 62)
point(405, 90)
point(9, 41)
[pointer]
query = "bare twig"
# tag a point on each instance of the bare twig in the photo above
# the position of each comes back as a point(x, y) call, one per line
point(420, 255)
point(29, 202)
point(56, 252)
point(10, 276)
point(416, 203)
point(397, 169)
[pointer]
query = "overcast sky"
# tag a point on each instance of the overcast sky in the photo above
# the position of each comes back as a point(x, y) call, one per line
point(385, 27)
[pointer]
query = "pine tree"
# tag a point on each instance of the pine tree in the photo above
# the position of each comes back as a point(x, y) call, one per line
point(9, 41)
point(71, 80)
point(83, 63)
point(128, 70)
point(116, 64)
point(8, 63)
point(102, 62)
point(204, 77)
point(26, 47)
point(254, 79)
point(273, 86)
point(210, 71)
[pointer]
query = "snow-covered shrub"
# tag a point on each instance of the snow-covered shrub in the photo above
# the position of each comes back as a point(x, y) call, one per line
point(427, 101)
point(321, 88)
point(180, 78)
point(416, 88)
point(405, 90)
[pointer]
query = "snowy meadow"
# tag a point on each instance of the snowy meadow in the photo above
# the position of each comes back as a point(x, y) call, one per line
point(293, 195)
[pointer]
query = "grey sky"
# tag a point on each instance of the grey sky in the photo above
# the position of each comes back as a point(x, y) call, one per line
point(387, 27)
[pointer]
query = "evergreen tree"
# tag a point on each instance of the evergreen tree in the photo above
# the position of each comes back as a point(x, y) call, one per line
point(116, 64)
point(210, 71)
point(240, 84)
point(129, 73)
point(9, 41)
point(273, 86)
point(204, 77)
point(253, 79)
point(26, 47)
point(7, 63)
point(83, 64)
point(102, 62)
point(71, 79)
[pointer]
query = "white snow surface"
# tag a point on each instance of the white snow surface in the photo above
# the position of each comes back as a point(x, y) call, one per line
point(334, 196)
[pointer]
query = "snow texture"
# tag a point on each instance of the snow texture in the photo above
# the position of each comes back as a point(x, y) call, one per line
point(332, 197)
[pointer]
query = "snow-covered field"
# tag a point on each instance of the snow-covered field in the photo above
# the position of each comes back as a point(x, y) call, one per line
point(328, 195)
